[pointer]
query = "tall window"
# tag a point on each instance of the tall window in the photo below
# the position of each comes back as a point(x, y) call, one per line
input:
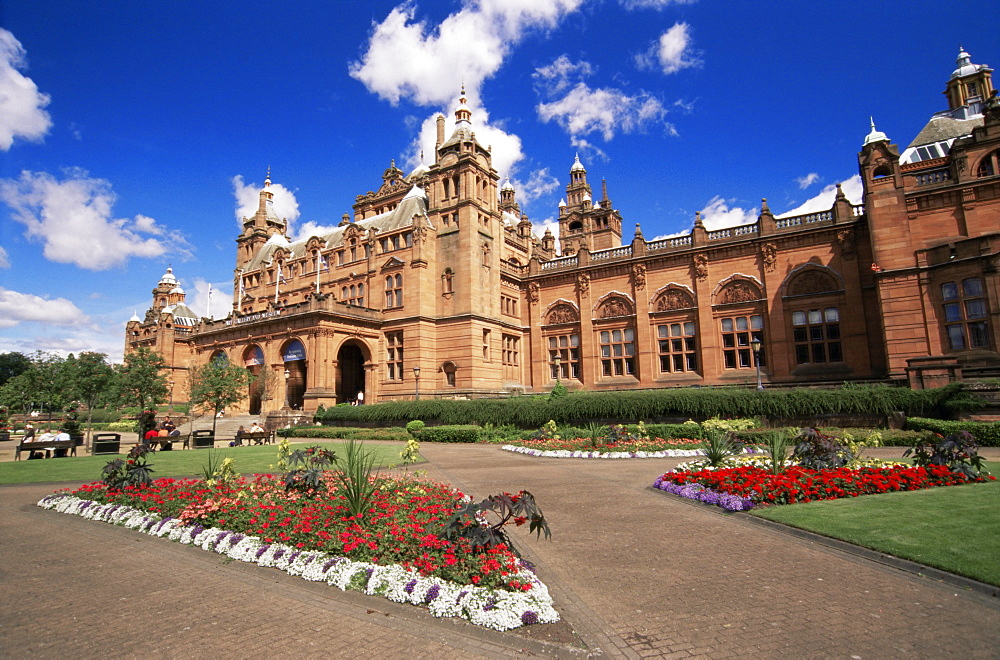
point(510, 351)
point(508, 305)
point(618, 352)
point(567, 349)
point(394, 355)
point(965, 314)
point(394, 290)
point(816, 334)
point(677, 345)
point(737, 332)
point(486, 345)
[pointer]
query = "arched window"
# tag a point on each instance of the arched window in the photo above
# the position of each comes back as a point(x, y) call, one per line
point(989, 165)
point(394, 290)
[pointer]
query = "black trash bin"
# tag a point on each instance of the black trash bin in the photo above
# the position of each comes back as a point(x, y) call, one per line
point(202, 438)
point(106, 443)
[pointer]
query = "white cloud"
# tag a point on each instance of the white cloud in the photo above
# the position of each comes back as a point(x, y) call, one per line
point(585, 110)
point(248, 200)
point(807, 180)
point(653, 4)
point(4, 258)
point(16, 308)
point(21, 104)
point(539, 183)
point(426, 64)
point(73, 217)
point(313, 229)
point(221, 303)
point(718, 214)
point(671, 52)
point(823, 201)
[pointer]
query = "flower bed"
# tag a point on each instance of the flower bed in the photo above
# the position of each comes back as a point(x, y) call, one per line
point(798, 484)
point(584, 448)
point(394, 552)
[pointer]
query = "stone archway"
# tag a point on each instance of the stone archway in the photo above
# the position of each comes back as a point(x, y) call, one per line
point(294, 357)
point(351, 360)
point(253, 359)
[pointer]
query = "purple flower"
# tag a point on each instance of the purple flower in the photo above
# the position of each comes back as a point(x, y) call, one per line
point(409, 586)
point(432, 593)
point(330, 563)
point(529, 618)
point(490, 604)
point(260, 551)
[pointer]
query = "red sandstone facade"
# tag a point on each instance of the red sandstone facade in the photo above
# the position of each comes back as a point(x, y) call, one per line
point(436, 284)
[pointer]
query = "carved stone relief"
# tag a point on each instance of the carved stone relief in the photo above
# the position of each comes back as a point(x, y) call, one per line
point(738, 292)
point(563, 314)
point(673, 299)
point(845, 240)
point(639, 276)
point(583, 284)
point(769, 253)
point(812, 282)
point(701, 266)
point(533, 293)
point(615, 307)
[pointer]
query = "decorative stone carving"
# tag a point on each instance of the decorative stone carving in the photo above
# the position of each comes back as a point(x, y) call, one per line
point(563, 313)
point(674, 299)
point(739, 291)
point(615, 307)
point(701, 265)
point(769, 253)
point(583, 284)
point(533, 292)
point(845, 240)
point(639, 276)
point(812, 282)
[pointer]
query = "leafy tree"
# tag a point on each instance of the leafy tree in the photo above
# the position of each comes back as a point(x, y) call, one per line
point(267, 385)
point(13, 364)
point(41, 385)
point(139, 379)
point(90, 379)
point(217, 385)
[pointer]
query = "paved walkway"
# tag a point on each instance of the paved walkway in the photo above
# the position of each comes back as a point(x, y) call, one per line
point(635, 573)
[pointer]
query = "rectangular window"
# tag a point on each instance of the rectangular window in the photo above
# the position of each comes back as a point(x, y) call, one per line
point(677, 343)
point(618, 352)
point(394, 355)
point(737, 333)
point(564, 356)
point(816, 334)
point(511, 350)
point(486, 345)
point(963, 311)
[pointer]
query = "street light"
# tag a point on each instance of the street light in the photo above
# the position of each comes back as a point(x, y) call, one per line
point(416, 381)
point(755, 347)
point(288, 374)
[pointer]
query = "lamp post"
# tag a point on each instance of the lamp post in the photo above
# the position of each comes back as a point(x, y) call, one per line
point(755, 347)
point(416, 383)
point(170, 383)
point(288, 374)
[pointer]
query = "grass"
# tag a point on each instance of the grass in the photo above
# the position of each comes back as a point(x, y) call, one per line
point(955, 529)
point(248, 460)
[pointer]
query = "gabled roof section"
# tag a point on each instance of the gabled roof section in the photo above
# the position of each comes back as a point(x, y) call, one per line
point(401, 217)
point(393, 262)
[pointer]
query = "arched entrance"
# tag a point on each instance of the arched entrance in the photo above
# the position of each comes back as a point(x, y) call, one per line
point(294, 357)
point(253, 359)
point(351, 372)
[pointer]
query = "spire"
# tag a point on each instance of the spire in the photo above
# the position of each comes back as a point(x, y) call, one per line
point(577, 165)
point(840, 193)
point(875, 135)
point(462, 112)
point(638, 232)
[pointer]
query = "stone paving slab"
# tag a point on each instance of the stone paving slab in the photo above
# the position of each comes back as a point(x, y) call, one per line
point(635, 573)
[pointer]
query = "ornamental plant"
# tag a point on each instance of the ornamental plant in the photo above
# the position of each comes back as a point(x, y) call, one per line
point(818, 451)
point(410, 453)
point(718, 446)
point(959, 452)
point(119, 474)
point(482, 524)
point(414, 427)
point(355, 476)
point(308, 469)
point(777, 445)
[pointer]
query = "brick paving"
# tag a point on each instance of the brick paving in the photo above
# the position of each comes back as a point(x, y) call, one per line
point(635, 573)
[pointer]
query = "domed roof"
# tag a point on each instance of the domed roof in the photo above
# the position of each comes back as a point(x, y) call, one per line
point(577, 165)
point(168, 277)
point(875, 135)
point(178, 290)
point(964, 64)
point(506, 184)
point(135, 318)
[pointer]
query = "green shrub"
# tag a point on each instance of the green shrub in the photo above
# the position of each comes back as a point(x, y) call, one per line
point(104, 415)
point(987, 433)
point(124, 426)
point(456, 433)
point(688, 403)
point(676, 431)
point(414, 427)
point(345, 433)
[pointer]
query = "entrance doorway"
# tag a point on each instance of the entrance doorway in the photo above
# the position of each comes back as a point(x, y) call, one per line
point(294, 356)
point(351, 365)
point(253, 358)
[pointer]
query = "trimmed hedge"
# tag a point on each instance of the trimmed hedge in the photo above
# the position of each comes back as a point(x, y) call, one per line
point(654, 405)
point(987, 433)
point(456, 433)
point(345, 433)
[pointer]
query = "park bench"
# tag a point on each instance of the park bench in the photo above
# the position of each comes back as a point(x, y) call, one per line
point(256, 438)
point(44, 444)
point(161, 441)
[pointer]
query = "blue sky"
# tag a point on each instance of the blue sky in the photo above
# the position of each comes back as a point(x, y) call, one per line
point(132, 132)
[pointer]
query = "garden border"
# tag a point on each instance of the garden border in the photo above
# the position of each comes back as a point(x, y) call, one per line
point(991, 592)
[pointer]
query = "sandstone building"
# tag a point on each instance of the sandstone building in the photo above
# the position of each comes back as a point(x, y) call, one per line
point(436, 286)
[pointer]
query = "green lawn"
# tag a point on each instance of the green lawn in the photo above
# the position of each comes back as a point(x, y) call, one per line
point(248, 460)
point(956, 529)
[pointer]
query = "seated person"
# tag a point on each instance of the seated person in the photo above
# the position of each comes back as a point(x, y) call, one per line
point(238, 442)
point(150, 437)
point(29, 433)
point(256, 428)
point(61, 452)
point(44, 452)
